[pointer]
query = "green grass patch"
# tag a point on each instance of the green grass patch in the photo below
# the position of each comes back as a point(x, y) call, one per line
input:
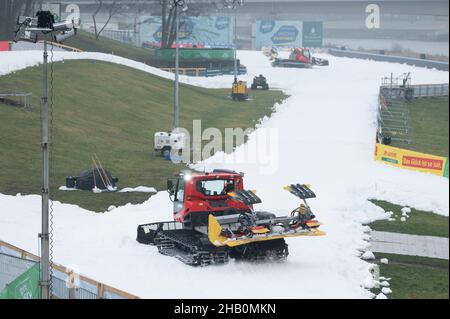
point(415, 277)
point(86, 41)
point(429, 126)
point(113, 111)
point(418, 223)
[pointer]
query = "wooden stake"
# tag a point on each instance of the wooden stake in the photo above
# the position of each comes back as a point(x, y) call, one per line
point(93, 175)
point(98, 170)
point(104, 172)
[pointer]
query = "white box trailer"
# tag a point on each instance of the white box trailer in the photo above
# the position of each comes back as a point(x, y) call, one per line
point(165, 142)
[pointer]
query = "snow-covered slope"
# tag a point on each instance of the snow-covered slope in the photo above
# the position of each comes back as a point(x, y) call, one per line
point(326, 135)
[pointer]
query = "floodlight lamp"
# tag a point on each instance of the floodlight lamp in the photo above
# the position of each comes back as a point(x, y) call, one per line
point(63, 26)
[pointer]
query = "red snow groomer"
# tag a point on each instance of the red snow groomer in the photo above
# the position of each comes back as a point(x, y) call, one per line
point(299, 58)
point(214, 219)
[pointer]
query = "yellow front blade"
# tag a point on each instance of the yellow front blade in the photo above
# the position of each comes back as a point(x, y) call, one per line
point(215, 237)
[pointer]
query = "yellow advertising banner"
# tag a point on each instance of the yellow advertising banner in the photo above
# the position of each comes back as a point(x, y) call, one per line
point(411, 160)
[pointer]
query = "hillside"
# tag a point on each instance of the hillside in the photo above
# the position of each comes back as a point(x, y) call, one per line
point(86, 41)
point(112, 111)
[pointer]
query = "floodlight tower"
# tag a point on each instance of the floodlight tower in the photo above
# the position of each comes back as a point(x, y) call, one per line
point(179, 5)
point(233, 4)
point(32, 29)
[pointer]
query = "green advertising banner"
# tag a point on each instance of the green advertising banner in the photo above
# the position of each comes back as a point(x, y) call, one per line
point(312, 34)
point(26, 286)
point(4, 294)
point(191, 54)
point(446, 169)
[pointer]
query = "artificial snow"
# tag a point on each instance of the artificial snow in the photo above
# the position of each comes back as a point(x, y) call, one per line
point(403, 219)
point(96, 190)
point(326, 131)
point(406, 210)
point(139, 189)
point(384, 261)
point(368, 255)
point(111, 208)
point(366, 229)
point(369, 283)
point(381, 296)
point(65, 188)
point(386, 290)
point(384, 284)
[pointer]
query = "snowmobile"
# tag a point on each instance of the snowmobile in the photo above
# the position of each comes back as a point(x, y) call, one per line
point(300, 58)
point(214, 220)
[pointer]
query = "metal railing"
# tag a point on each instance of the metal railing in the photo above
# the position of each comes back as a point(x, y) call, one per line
point(188, 71)
point(443, 66)
point(124, 36)
point(25, 98)
point(393, 117)
point(430, 90)
point(393, 111)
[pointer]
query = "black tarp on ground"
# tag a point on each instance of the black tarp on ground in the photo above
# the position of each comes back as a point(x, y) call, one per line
point(88, 179)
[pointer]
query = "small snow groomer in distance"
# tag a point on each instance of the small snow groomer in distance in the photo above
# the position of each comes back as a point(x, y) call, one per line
point(214, 220)
point(259, 81)
point(299, 58)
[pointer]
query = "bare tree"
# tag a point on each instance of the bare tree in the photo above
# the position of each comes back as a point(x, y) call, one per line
point(168, 19)
point(9, 11)
point(112, 9)
point(168, 12)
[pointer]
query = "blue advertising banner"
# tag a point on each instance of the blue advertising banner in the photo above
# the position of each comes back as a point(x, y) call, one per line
point(200, 31)
point(278, 33)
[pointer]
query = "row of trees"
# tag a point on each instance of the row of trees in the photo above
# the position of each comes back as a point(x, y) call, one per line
point(168, 12)
point(10, 9)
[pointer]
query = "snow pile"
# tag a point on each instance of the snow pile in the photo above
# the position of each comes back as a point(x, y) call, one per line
point(406, 210)
point(368, 255)
point(381, 296)
point(369, 282)
point(65, 188)
point(325, 132)
point(386, 290)
point(139, 189)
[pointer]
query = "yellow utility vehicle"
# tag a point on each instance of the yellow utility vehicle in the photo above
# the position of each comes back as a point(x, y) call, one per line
point(239, 91)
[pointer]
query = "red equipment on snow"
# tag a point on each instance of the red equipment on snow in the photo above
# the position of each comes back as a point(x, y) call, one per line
point(214, 219)
point(299, 58)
